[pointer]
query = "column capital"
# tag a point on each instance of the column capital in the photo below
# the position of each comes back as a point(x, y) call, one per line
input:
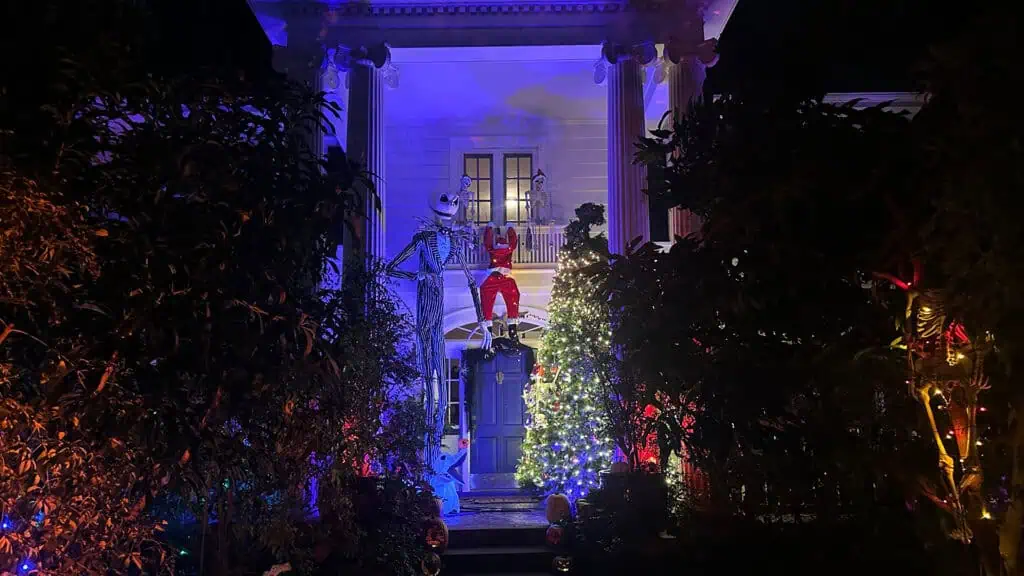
point(643, 53)
point(704, 53)
point(377, 56)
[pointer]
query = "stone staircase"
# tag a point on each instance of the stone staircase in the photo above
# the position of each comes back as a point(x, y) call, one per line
point(498, 532)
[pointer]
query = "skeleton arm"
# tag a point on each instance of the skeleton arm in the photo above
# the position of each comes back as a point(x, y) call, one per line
point(402, 256)
point(475, 292)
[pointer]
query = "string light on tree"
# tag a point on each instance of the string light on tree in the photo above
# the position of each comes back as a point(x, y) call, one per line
point(567, 445)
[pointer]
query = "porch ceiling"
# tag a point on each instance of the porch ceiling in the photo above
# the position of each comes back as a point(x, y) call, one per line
point(496, 84)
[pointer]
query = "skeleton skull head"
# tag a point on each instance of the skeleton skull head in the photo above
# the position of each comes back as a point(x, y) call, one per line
point(539, 180)
point(445, 206)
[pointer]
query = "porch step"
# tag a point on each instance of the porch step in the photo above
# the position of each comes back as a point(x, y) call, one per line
point(490, 561)
point(500, 559)
point(489, 538)
point(509, 542)
point(499, 500)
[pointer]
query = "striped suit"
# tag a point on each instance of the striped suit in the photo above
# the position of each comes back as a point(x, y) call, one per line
point(436, 245)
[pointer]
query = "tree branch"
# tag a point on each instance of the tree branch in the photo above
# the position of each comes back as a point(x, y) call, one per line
point(107, 373)
point(7, 332)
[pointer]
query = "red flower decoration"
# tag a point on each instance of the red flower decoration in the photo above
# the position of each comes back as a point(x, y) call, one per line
point(463, 443)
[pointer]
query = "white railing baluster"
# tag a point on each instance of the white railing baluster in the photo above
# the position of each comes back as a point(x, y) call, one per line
point(547, 241)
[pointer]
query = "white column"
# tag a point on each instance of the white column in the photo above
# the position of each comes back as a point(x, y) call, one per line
point(685, 86)
point(366, 142)
point(628, 214)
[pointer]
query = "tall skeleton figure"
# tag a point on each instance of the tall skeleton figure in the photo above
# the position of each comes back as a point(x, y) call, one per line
point(436, 243)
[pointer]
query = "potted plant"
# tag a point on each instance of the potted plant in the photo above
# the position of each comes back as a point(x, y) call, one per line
point(634, 487)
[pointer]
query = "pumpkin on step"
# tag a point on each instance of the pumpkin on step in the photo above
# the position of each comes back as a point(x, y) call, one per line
point(557, 508)
point(431, 564)
point(554, 535)
point(561, 564)
point(437, 535)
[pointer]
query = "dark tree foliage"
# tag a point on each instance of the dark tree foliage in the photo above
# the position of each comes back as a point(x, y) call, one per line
point(760, 323)
point(971, 242)
point(172, 375)
point(776, 332)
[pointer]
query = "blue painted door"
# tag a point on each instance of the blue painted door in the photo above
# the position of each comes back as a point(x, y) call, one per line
point(500, 414)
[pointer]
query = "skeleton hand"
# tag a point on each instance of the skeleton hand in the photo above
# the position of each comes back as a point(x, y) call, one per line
point(431, 278)
point(486, 330)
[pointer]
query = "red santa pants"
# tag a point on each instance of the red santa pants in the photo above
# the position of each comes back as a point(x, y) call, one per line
point(496, 284)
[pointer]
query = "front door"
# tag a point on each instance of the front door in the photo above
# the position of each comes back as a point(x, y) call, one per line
point(500, 416)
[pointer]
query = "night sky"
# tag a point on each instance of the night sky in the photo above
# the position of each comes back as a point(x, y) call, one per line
point(810, 47)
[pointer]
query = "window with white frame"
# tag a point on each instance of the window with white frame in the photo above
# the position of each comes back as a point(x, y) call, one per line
point(452, 418)
point(503, 201)
point(518, 175)
point(479, 168)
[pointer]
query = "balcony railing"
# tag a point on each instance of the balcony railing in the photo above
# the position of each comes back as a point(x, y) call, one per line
point(541, 253)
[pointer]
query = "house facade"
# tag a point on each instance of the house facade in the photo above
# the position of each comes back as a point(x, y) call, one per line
point(535, 104)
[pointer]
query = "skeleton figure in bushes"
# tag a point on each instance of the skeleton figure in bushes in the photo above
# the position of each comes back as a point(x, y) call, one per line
point(436, 243)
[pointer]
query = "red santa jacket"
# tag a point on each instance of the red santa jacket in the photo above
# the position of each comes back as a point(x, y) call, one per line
point(500, 249)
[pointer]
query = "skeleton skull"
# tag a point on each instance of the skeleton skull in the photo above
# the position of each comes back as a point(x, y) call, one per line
point(445, 206)
point(539, 180)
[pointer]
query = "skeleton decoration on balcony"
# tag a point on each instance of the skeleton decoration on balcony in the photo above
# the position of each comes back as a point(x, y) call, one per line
point(536, 200)
point(466, 197)
point(500, 250)
point(436, 243)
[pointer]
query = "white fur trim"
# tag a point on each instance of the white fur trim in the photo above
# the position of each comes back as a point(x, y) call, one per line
point(513, 321)
point(502, 271)
point(488, 323)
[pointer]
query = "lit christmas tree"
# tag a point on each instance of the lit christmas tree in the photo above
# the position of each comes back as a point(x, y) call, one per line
point(567, 444)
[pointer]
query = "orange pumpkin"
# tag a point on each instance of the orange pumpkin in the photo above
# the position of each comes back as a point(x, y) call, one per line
point(437, 535)
point(557, 508)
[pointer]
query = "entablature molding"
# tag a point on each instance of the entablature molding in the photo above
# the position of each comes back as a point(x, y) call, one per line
point(291, 9)
point(494, 23)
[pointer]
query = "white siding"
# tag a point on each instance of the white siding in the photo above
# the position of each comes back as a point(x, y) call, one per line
point(426, 159)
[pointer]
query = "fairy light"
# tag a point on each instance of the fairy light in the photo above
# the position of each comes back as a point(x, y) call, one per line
point(566, 445)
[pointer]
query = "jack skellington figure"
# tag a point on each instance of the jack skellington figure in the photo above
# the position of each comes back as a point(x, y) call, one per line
point(436, 243)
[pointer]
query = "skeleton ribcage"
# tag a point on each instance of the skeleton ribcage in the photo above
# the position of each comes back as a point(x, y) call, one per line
point(931, 315)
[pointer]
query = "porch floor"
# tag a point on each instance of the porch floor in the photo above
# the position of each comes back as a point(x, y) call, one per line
point(497, 519)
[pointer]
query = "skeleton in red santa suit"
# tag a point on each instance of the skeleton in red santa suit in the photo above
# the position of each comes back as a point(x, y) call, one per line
point(499, 280)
